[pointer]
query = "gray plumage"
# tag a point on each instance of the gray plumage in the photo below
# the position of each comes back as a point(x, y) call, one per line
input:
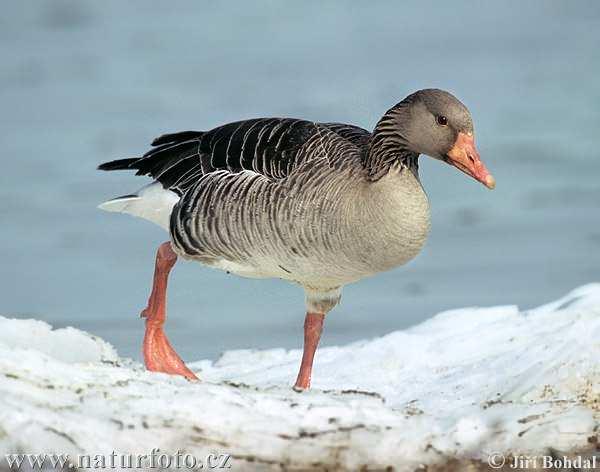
point(319, 204)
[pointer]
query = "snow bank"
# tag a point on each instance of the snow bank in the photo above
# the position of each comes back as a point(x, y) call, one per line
point(462, 385)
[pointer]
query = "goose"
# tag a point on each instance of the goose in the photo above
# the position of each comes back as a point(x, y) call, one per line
point(321, 205)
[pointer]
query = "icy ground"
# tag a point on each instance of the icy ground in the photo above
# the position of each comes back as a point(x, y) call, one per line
point(462, 385)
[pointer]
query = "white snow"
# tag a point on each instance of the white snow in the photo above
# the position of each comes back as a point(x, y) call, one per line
point(461, 385)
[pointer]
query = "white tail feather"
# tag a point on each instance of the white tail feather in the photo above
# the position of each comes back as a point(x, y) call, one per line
point(152, 202)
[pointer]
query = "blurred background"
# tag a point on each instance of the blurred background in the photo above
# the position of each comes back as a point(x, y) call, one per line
point(84, 82)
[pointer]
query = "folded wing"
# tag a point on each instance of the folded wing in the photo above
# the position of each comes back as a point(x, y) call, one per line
point(273, 147)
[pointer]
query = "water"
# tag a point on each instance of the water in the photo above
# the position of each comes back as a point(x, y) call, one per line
point(83, 82)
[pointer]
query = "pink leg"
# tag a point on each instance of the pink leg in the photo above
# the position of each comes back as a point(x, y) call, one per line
point(313, 326)
point(159, 356)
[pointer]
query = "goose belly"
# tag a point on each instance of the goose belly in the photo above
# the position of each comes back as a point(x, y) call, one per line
point(311, 236)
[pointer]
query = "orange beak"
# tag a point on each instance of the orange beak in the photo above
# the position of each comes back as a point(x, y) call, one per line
point(464, 157)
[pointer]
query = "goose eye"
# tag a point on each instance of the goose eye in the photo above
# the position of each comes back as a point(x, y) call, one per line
point(442, 120)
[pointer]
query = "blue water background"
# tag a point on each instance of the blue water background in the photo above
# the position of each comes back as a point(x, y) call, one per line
point(83, 82)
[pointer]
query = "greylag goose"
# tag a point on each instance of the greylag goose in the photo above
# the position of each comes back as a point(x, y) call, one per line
point(319, 204)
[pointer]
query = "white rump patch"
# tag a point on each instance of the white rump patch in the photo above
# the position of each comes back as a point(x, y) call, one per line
point(152, 202)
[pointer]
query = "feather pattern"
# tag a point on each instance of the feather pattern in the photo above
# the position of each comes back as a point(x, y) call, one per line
point(280, 197)
point(272, 147)
point(319, 204)
point(304, 227)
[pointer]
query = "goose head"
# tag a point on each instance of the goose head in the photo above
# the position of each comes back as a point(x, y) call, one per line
point(435, 123)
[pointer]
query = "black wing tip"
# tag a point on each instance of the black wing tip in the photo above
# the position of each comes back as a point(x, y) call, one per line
point(176, 137)
point(162, 139)
point(119, 164)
